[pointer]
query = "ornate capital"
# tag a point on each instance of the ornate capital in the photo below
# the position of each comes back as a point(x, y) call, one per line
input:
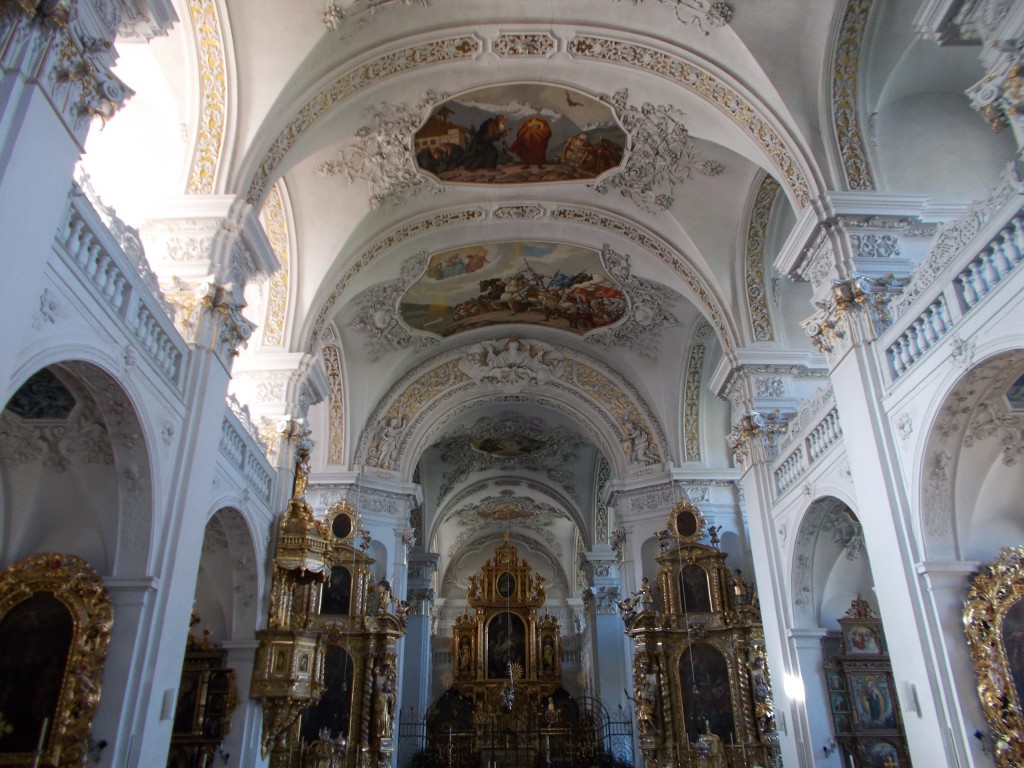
point(209, 316)
point(754, 438)
point(856, 311)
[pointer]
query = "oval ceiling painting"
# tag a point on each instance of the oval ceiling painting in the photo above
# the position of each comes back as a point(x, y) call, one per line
point(552, 284)
point(523, 133)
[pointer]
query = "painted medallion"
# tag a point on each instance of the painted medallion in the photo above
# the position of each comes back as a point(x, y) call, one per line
point(523, 133)
point(551, 284)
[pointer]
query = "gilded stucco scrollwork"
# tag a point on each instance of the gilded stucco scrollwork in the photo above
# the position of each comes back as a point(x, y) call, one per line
point(706, 85)
point(272, 216)
point(992, 621)
point(335, 403)
point(757, 226)
point(691, 404)
point(60, 583)
point(213, 98)
point(849, 139)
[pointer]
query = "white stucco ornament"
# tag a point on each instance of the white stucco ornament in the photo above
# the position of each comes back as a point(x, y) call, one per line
point(511, 362)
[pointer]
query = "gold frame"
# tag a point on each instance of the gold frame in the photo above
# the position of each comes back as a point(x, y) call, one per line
point(70, 580)
point(994, 591)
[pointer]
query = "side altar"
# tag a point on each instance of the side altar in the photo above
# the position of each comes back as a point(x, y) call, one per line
point(700, 677)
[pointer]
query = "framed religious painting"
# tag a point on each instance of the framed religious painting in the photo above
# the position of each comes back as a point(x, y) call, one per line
point(55, 620)
point(872, 700)
point(994, 624)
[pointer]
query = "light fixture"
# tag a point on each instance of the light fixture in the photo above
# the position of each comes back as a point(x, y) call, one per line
point(829, 748)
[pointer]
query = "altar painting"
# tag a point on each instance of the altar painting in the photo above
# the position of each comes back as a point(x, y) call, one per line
point(551, 284)
point(522, 133)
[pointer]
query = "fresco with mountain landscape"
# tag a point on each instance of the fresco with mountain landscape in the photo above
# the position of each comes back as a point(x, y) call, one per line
point(520, 134)
point(552, 284)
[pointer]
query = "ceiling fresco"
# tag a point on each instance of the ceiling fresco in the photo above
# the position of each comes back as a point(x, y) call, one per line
point(524, 133)
point(550, 284)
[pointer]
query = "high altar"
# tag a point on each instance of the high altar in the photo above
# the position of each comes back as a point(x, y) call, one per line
point(506, 705)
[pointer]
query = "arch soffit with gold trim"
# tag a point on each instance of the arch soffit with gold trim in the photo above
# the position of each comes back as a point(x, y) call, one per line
point(418, 425)
point(462, 227)
point(781, 151)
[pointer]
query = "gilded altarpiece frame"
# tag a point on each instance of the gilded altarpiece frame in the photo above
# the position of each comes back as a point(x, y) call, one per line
point(701, 684)
point(994, 624)
point(326, 612)
point(34, 591)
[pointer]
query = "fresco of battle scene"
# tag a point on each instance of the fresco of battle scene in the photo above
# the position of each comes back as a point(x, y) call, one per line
point(553, 284)
point(523, 133)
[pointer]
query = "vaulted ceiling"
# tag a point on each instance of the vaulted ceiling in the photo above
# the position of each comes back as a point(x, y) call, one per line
point(526, 317)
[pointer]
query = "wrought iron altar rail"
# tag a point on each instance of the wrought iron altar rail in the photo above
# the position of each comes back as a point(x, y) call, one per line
point(120, 282)
point(809, 436)
point(968, 261)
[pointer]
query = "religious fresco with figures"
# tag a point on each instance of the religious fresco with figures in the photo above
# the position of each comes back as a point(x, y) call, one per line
point(522, 133)
point(552, 284)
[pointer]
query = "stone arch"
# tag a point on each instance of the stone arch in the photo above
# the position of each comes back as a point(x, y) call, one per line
point(229, 577)
point(829, 563)
point(630, 433)
point(968, 471)
point(75, 470)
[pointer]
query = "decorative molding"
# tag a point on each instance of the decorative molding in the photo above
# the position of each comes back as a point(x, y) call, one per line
point(845, 62)
point(757, 226)
point(50, 310)
point(275, 223)
point(691, 404)
point(335, 405)
point(459, 47)
point(378, 317)
point(661, 154)
point(511, 363)
point(604, 473)
point(381, 154)
point(599, 388)
point(950, 241)
point(524, 44)
point(709, 87)
point(702, 293)
point(213, 99)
